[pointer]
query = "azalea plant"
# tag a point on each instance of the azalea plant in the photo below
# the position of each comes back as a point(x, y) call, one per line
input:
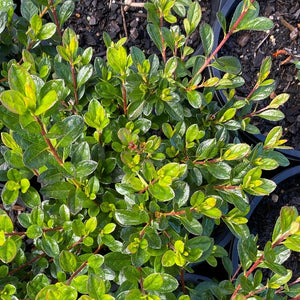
point(117, 173)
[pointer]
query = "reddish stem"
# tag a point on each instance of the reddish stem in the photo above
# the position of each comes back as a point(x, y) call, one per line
point(24, 232)
point(147, 187)
point(207, 161)
point(124, 99)
point(253, 267)
point(52, 149)
point(182, 281)
point(81, 267)
point(163, 52)
point(226, 187)
point(211, 57)
point(55, 18)
point(26, 264)
point(141, 280)
point(255, 113)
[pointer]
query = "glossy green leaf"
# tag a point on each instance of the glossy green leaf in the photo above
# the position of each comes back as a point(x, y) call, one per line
point(67, 261)
point(84, 74)
point(194, 16)
point(207, 38)
point(36, 155)
point(271, 115)
point(154, 33)
point(67, 130)
point(193, 226)
point(47, 31)
point(36, 284)
point(36, 23)
point(57, 190)
point(8, 250)
point(116, 261)
point(6, 224)
point(279, 100)
point(117, 59)
point(50, 246)
point(14, 101)
point(162, 193)
point(127, 217)
point(293, 243)
point(220, 170)
point(65, 11)
point(195, 98)
point(34, 231)
point(80, 284)
point(228, 64)
point(46, 102)
point(85, 168)
point(236, 152)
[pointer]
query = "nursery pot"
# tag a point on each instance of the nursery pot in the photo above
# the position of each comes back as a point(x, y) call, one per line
point(267, 205)
point(227, 8)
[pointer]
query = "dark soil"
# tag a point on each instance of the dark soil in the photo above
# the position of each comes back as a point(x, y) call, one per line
point(252, 47)
point(93, 17)
point(265, 215)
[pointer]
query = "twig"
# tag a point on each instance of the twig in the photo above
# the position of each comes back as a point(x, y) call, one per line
point(124, 21)
point(129, 3)
point(263, 40)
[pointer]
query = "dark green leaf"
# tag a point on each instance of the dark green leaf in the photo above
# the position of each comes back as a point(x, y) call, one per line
point(31, 198)
point(65, 11)
point(271, 115)
point(127, 217)
point(67, 130)
point(85, 167)
point(47, 31)
point(207, 38)
point(50, 246)
point(84, 75)
point(58, 190)
point(153, 31)
point(228, 64)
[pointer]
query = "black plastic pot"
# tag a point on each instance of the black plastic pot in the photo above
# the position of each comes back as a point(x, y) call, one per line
point(227, 7)
point(279, 178)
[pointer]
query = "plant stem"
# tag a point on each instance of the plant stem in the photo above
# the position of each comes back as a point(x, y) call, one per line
point(258, 261)
point(211, 57)
point(182, 281)
point(74, 83)
point(81, 267)
point(173, 213)
point(163, 52)
point(147, 187)
point(207, 161)
point(24, 232)
point(55, 18)
point(124, 98)
point(26, 264)
point(141, 280)
point(52, 149)
point(226, 187)
point(255, 113)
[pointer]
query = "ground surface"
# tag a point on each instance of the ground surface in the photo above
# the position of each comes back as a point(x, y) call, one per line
point(92, 17)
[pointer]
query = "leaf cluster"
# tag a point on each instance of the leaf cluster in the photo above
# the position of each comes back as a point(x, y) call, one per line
point(122, 169)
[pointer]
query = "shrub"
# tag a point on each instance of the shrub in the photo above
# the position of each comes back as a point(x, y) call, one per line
point(123, 169)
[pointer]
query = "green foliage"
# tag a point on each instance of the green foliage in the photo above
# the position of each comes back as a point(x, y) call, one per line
point(137, 165)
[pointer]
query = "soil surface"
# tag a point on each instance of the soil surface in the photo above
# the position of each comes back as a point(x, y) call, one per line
point(251, 47)
point(93, 17)
point(265, 215)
